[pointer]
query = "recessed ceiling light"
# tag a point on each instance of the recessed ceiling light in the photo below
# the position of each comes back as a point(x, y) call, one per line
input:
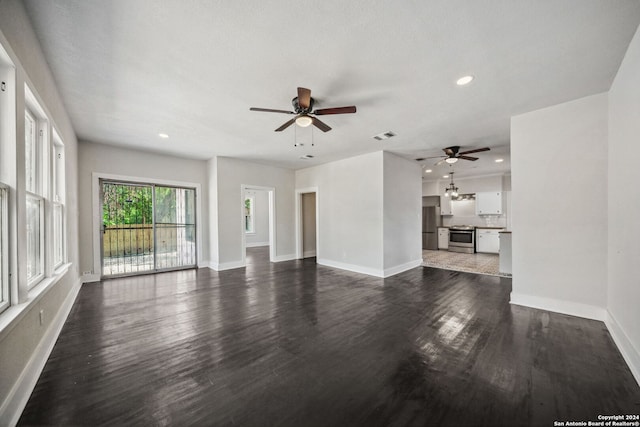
point(499, 160)
point(445, 176)
point(163, 135)
point(464, 80)
point(428, 171)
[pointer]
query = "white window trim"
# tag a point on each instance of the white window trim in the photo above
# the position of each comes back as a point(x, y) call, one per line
point(5, 302)
point(36, 279)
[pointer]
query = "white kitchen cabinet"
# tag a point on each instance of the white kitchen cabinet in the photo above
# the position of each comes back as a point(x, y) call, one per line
point(488, 240)
point(445, 206)
point(443, 238)
point(489, 203)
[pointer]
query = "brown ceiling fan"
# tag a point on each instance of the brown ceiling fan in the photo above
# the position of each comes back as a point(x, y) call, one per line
point(303, 109)
point(453, 153)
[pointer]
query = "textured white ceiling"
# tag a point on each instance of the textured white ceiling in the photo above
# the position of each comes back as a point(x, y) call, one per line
point(129, 69)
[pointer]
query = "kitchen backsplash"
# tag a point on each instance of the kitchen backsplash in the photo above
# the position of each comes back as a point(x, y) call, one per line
point(464, 213)
point(478, 221)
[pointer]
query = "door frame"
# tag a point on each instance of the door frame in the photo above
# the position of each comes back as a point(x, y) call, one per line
point(96, 214)
point(299, 221)
point(271, 191)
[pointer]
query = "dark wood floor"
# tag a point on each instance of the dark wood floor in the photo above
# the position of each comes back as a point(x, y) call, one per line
point(296, 344)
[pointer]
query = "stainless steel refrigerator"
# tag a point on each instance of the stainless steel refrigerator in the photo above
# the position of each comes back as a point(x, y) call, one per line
point(431, 220)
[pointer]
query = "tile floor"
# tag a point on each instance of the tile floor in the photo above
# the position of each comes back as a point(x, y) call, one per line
point(470, 263)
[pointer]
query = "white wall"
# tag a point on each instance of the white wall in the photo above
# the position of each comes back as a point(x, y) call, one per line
point(228, 176)
point(402, 213)
point(24, 342)
point(260, 236)
point(559, 207)
point(624, 207)
point(350, 212)
point(110, 160)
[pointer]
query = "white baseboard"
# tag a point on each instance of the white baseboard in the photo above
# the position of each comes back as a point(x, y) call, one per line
point(308, 254)
point(630, 354)
point(387, 272)
point(256, 244)
point(392, 271)
point(280, 258)
point(19, 395)
point(226, 265)
point(351, 267)
point(560, 306)
point(88, 278)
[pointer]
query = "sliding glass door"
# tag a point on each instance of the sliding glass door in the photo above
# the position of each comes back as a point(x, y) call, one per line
point(146, 228)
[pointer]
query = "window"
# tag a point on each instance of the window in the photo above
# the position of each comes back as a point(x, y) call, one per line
point(58, 178)
point(248, 214)
point(36, 148)
point(4, 255)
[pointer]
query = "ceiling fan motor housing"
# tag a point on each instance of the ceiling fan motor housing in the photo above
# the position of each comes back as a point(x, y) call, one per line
point(300, 110)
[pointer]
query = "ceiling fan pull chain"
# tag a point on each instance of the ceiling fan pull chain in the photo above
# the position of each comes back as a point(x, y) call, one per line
point(313, 144)
point(295, 136)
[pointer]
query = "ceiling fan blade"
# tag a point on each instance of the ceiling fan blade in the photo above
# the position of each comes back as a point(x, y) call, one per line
point(269, 110)
point(473, 159)
point(477, 150)
point(336, 110)
point(286, 125)
point(304, 98)
point(320, 125)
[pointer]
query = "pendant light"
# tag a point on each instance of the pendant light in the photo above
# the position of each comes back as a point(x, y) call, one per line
point(451, 190)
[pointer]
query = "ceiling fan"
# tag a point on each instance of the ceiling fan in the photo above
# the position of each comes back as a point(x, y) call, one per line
point(303, 109)
point(453, 153)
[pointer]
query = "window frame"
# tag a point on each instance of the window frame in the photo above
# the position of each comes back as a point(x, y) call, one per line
point(41, 189)
point(34, 280)
point(58, 180)
point(5, 288)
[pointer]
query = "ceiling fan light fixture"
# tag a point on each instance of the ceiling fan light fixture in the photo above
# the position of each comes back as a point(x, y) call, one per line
point(304, 121)
point(451, 160)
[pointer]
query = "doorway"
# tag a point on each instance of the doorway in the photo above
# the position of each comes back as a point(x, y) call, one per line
point(258, 225)
point(146, 228)
point(307, 223)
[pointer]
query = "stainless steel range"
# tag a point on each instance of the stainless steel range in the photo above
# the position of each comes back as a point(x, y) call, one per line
point(462, 238)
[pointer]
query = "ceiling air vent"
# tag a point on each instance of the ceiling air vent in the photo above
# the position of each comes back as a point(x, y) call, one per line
point(306, 157)
point(384, 135)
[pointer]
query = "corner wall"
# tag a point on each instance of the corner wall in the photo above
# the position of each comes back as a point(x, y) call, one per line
point(227, 176)
point(369, 213)
point(402, 222)
point(624, 208)
point(559, 207)
point(350, 212)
